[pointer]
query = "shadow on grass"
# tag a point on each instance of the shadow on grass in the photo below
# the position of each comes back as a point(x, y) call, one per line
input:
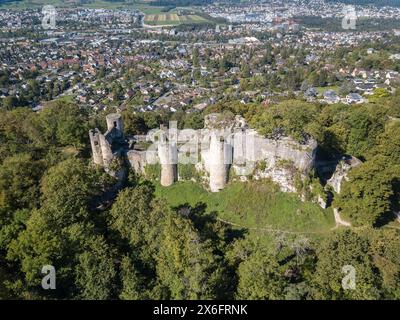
point(207, 222)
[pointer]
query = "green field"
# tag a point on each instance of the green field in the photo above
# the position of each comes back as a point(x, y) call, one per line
point(148, 9)
point(258, 206)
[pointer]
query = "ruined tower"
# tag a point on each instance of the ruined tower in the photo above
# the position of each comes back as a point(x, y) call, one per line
point(168, 155)
point(115, 125)
point(219, 160)
point(105, 148)
point(96, 146)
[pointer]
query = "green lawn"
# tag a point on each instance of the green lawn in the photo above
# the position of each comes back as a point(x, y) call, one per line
point(67, 99)
point(259, 206)
point(148, 9)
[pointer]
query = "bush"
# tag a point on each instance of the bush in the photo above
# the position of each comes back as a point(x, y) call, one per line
point(187, 172)
point(261, 165)
point(153, 172)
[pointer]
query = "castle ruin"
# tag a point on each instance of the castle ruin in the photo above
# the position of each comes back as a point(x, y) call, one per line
point(225, 147)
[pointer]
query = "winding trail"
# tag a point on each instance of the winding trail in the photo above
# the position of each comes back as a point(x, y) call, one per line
point(272, 230)
point(339, 221)
point(279, 231)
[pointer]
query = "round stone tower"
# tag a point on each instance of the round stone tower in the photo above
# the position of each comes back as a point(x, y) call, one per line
point(168, 154)
point(218, 163)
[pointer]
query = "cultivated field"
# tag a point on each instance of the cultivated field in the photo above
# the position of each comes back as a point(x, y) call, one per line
point(172, 19)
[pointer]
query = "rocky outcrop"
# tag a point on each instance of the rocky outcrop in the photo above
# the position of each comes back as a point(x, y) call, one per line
point(397, 215)
point(341, 173)
point(283, 160)
point(322, 202)
point(336, 182)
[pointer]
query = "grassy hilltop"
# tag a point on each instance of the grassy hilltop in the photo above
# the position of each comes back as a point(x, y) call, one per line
point(257, 206)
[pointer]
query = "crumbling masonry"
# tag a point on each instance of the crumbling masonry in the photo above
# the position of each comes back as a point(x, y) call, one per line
point(226, 146)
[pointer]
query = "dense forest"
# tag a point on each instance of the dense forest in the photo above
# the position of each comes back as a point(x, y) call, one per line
point(57, 209)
